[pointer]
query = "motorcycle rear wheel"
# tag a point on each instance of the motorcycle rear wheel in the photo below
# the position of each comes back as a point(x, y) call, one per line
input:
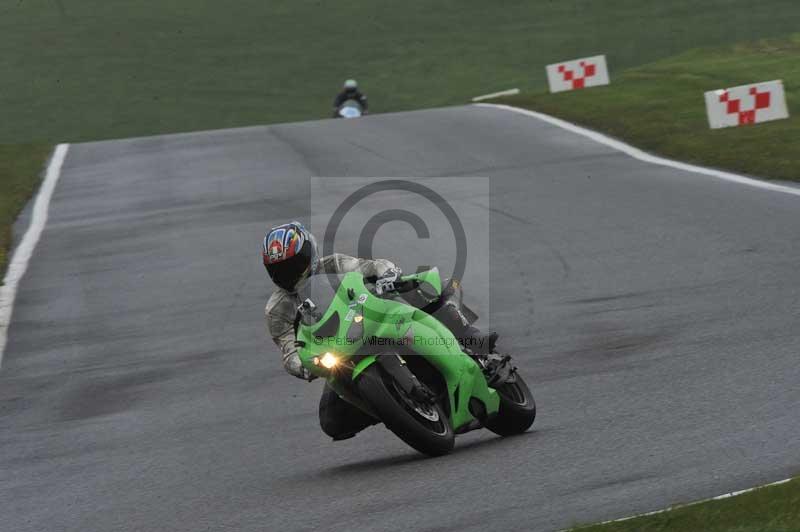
point(517, 409)
point(425, 427)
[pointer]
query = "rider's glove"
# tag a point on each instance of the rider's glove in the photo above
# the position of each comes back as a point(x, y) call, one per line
point(385, 283)
point(307, 376)
point(295, 367)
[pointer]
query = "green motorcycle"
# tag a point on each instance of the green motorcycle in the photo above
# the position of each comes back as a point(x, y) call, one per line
point(390, 358)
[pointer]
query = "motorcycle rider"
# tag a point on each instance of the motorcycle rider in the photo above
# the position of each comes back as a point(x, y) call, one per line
point(349, 92)
point(290, 256)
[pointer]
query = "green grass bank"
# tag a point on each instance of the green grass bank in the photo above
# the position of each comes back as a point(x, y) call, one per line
point(95, 69)
point(21, 169)
point(771, 509)
point(659, 107)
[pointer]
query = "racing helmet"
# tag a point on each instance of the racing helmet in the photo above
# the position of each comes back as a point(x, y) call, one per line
point(350, 85)
point(290, 255)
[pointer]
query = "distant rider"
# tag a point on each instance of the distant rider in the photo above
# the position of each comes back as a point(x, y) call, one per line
point(349, 92)
point(290, 257)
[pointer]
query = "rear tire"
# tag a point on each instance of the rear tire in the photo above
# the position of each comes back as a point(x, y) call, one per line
point(517, 409)
point(427, 430)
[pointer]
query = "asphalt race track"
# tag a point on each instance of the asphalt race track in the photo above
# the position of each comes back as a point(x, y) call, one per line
point(654, 311)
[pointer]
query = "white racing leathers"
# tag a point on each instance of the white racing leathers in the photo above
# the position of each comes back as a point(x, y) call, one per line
point(282, 306)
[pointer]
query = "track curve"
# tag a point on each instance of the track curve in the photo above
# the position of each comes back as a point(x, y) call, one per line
point(654, 310)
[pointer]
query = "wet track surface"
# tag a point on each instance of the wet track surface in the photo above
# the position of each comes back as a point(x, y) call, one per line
point(655, 313)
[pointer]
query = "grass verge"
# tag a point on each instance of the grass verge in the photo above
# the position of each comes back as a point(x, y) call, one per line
point(659, 107)
point(770, 509)
point(94, 69)
point(21, 169)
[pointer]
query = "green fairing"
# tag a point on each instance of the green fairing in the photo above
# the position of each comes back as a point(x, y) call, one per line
point(459, 370)
point(431, 277)
point(399, 322)
point(363, 364)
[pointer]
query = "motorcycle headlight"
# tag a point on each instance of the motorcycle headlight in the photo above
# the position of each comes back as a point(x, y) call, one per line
point(327, 361)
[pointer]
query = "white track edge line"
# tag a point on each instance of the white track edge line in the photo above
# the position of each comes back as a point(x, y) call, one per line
point(636, 153)
point(509, 92)
point(679, 506)
point(18, 264)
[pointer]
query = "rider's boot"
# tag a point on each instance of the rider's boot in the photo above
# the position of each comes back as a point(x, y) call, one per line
point(477, 341)
point(339, 419)
point(469, 336)
point(479, 344)
point(498, 369)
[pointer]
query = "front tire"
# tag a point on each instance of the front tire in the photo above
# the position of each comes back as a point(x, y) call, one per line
point(426, 428)
point(517, 409)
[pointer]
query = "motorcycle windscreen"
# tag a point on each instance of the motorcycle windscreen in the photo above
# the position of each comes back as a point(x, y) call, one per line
point(350, 109)
point(320, 291)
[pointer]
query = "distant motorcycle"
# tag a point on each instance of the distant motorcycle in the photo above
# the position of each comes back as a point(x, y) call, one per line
point(350, 109)
point(399, 364)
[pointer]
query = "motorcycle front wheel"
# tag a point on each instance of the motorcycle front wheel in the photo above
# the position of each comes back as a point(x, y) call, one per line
point(423, 426)
point(517, 408)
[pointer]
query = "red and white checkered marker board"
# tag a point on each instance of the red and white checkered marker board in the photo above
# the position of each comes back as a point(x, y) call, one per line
point(578, 74)
point(747, 104)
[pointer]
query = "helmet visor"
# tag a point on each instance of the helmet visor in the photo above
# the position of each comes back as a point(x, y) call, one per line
point(288, 273)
